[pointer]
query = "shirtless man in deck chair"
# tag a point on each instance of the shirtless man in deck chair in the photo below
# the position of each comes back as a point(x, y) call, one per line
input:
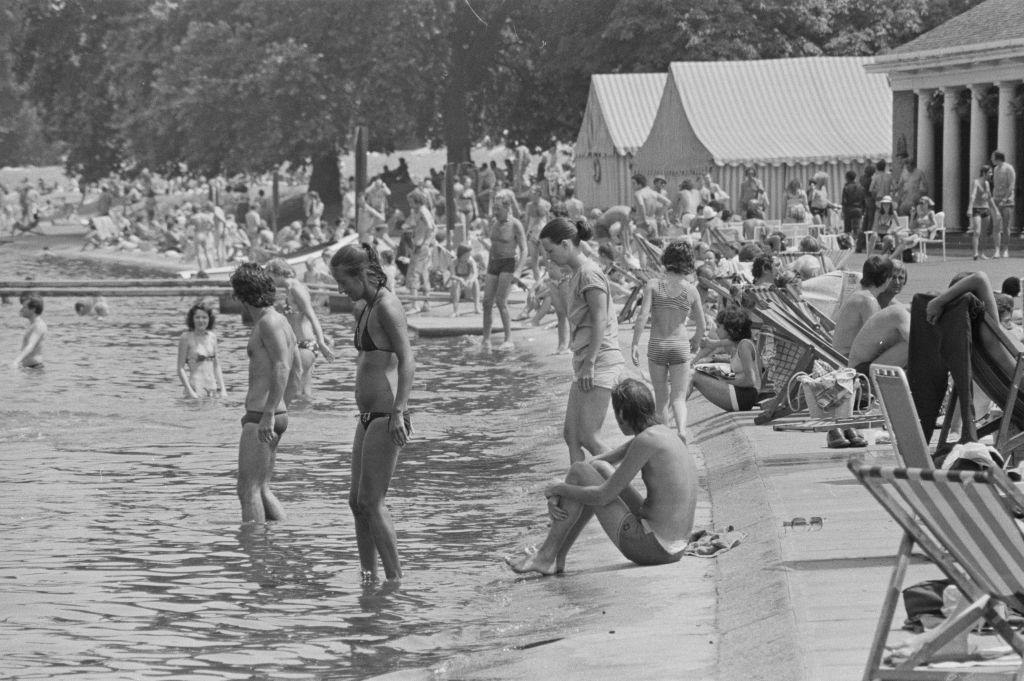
point(853, 315)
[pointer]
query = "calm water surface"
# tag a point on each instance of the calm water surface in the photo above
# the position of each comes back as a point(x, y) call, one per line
point(122, 553)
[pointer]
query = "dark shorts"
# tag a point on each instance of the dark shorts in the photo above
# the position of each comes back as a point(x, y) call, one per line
point(368, 417)
point(744, 398)
point(979, 212)
point(820, 212)
point(641, 546)
point(280, 420)
point(497, 266)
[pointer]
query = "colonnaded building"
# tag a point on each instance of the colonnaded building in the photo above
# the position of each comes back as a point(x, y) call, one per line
point(958, 95)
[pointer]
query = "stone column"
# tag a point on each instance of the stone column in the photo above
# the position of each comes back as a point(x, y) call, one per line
point(925, 153)
point(951, 159)
point(1006, 132)
point(979, 131)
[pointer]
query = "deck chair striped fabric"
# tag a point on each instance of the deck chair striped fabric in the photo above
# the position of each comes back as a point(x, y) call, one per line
point(893, 393)
point(965, 522)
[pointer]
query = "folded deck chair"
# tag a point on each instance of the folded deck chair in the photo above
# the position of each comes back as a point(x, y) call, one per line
point(897, 404)
point(964, 521)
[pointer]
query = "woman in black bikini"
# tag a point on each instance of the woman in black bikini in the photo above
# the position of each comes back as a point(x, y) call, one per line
point(384, 374)
point(297, 307)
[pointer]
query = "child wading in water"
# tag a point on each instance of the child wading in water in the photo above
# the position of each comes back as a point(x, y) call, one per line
point(31, 355)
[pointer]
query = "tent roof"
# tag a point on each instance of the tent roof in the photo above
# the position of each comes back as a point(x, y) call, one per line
point(810, 110)
point(629, 103)
point(990, 22)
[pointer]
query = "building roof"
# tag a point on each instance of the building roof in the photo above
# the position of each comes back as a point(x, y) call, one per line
point(629, 103)
point(990, 22)
point(810, 110)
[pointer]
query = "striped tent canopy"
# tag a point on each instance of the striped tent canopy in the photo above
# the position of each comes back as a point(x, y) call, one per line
point(776, 111)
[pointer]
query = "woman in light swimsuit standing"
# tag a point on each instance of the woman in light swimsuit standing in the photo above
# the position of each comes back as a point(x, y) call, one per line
point(669, 301)
point(593, 336)
point(384, 375)
point(198, 366)
point(297, 307)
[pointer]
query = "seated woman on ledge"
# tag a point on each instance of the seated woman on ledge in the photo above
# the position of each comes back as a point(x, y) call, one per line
point(651, 531)
point(737, 388)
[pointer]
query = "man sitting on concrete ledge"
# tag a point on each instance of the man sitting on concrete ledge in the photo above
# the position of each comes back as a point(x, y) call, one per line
point(651, 531)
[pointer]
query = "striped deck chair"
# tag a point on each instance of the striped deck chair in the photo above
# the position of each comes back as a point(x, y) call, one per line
point(966, 523)
point(901, 418)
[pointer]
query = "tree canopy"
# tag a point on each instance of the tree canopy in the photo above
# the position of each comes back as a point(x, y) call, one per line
point(242, 85)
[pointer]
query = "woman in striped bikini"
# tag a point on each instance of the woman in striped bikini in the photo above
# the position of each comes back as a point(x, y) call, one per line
point(669, 302)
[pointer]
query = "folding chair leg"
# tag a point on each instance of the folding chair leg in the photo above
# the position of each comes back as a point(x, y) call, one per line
point(892, 597)
point(950, 629)
point(947, 420)
point(1011, 400)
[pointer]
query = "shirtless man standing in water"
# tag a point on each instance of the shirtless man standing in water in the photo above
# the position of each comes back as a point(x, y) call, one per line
point(273, 355)
point(507, 257)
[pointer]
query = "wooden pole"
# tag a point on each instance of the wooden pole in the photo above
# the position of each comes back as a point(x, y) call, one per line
point(275, 196)
point(362, 140)
point(451, 171)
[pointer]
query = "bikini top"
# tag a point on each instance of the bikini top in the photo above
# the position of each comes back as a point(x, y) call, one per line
point(204, 358)
point(362, 340)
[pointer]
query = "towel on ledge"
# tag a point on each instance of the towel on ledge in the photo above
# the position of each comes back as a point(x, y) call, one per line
point(710, 543)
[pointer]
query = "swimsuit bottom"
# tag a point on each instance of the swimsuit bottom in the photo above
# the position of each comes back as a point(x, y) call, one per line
point(310, 345)
point(280, 420)
point(668, 351)
point(497, 266)
point(35, 365)
point(368, 417)
point(640, 545)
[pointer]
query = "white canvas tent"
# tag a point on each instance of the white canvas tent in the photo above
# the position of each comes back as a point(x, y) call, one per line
point(789, 118)
point(619, 113)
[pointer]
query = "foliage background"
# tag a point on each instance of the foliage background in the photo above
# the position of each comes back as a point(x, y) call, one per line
point(242, 85)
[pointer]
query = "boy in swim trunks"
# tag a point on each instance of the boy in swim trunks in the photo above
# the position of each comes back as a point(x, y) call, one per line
point(648, 531)
point(273, 356)
point(31, 355)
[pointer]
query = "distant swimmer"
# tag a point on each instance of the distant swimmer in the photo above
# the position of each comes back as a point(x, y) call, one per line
point(648, 531)
point(31, 355)
point(273, 356)
point(385, 367)
point(198, 364)
point(97, 306)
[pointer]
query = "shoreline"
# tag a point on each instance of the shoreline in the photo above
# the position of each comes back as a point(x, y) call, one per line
point(616, 604)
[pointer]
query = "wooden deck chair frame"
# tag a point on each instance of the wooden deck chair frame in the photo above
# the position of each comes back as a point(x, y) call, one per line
point(964, 521)
point(1010, 401)
point(893, 393)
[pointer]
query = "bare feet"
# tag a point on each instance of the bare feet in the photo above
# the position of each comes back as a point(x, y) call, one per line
point(507, 345)
point(561, 350)
point(455, 314)
point(527, 561)
point(485, 346)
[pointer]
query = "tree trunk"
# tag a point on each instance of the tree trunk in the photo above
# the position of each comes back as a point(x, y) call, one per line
point(325, 180)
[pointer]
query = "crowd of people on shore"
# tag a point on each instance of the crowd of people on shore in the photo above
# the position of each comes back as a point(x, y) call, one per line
point(663, 260)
